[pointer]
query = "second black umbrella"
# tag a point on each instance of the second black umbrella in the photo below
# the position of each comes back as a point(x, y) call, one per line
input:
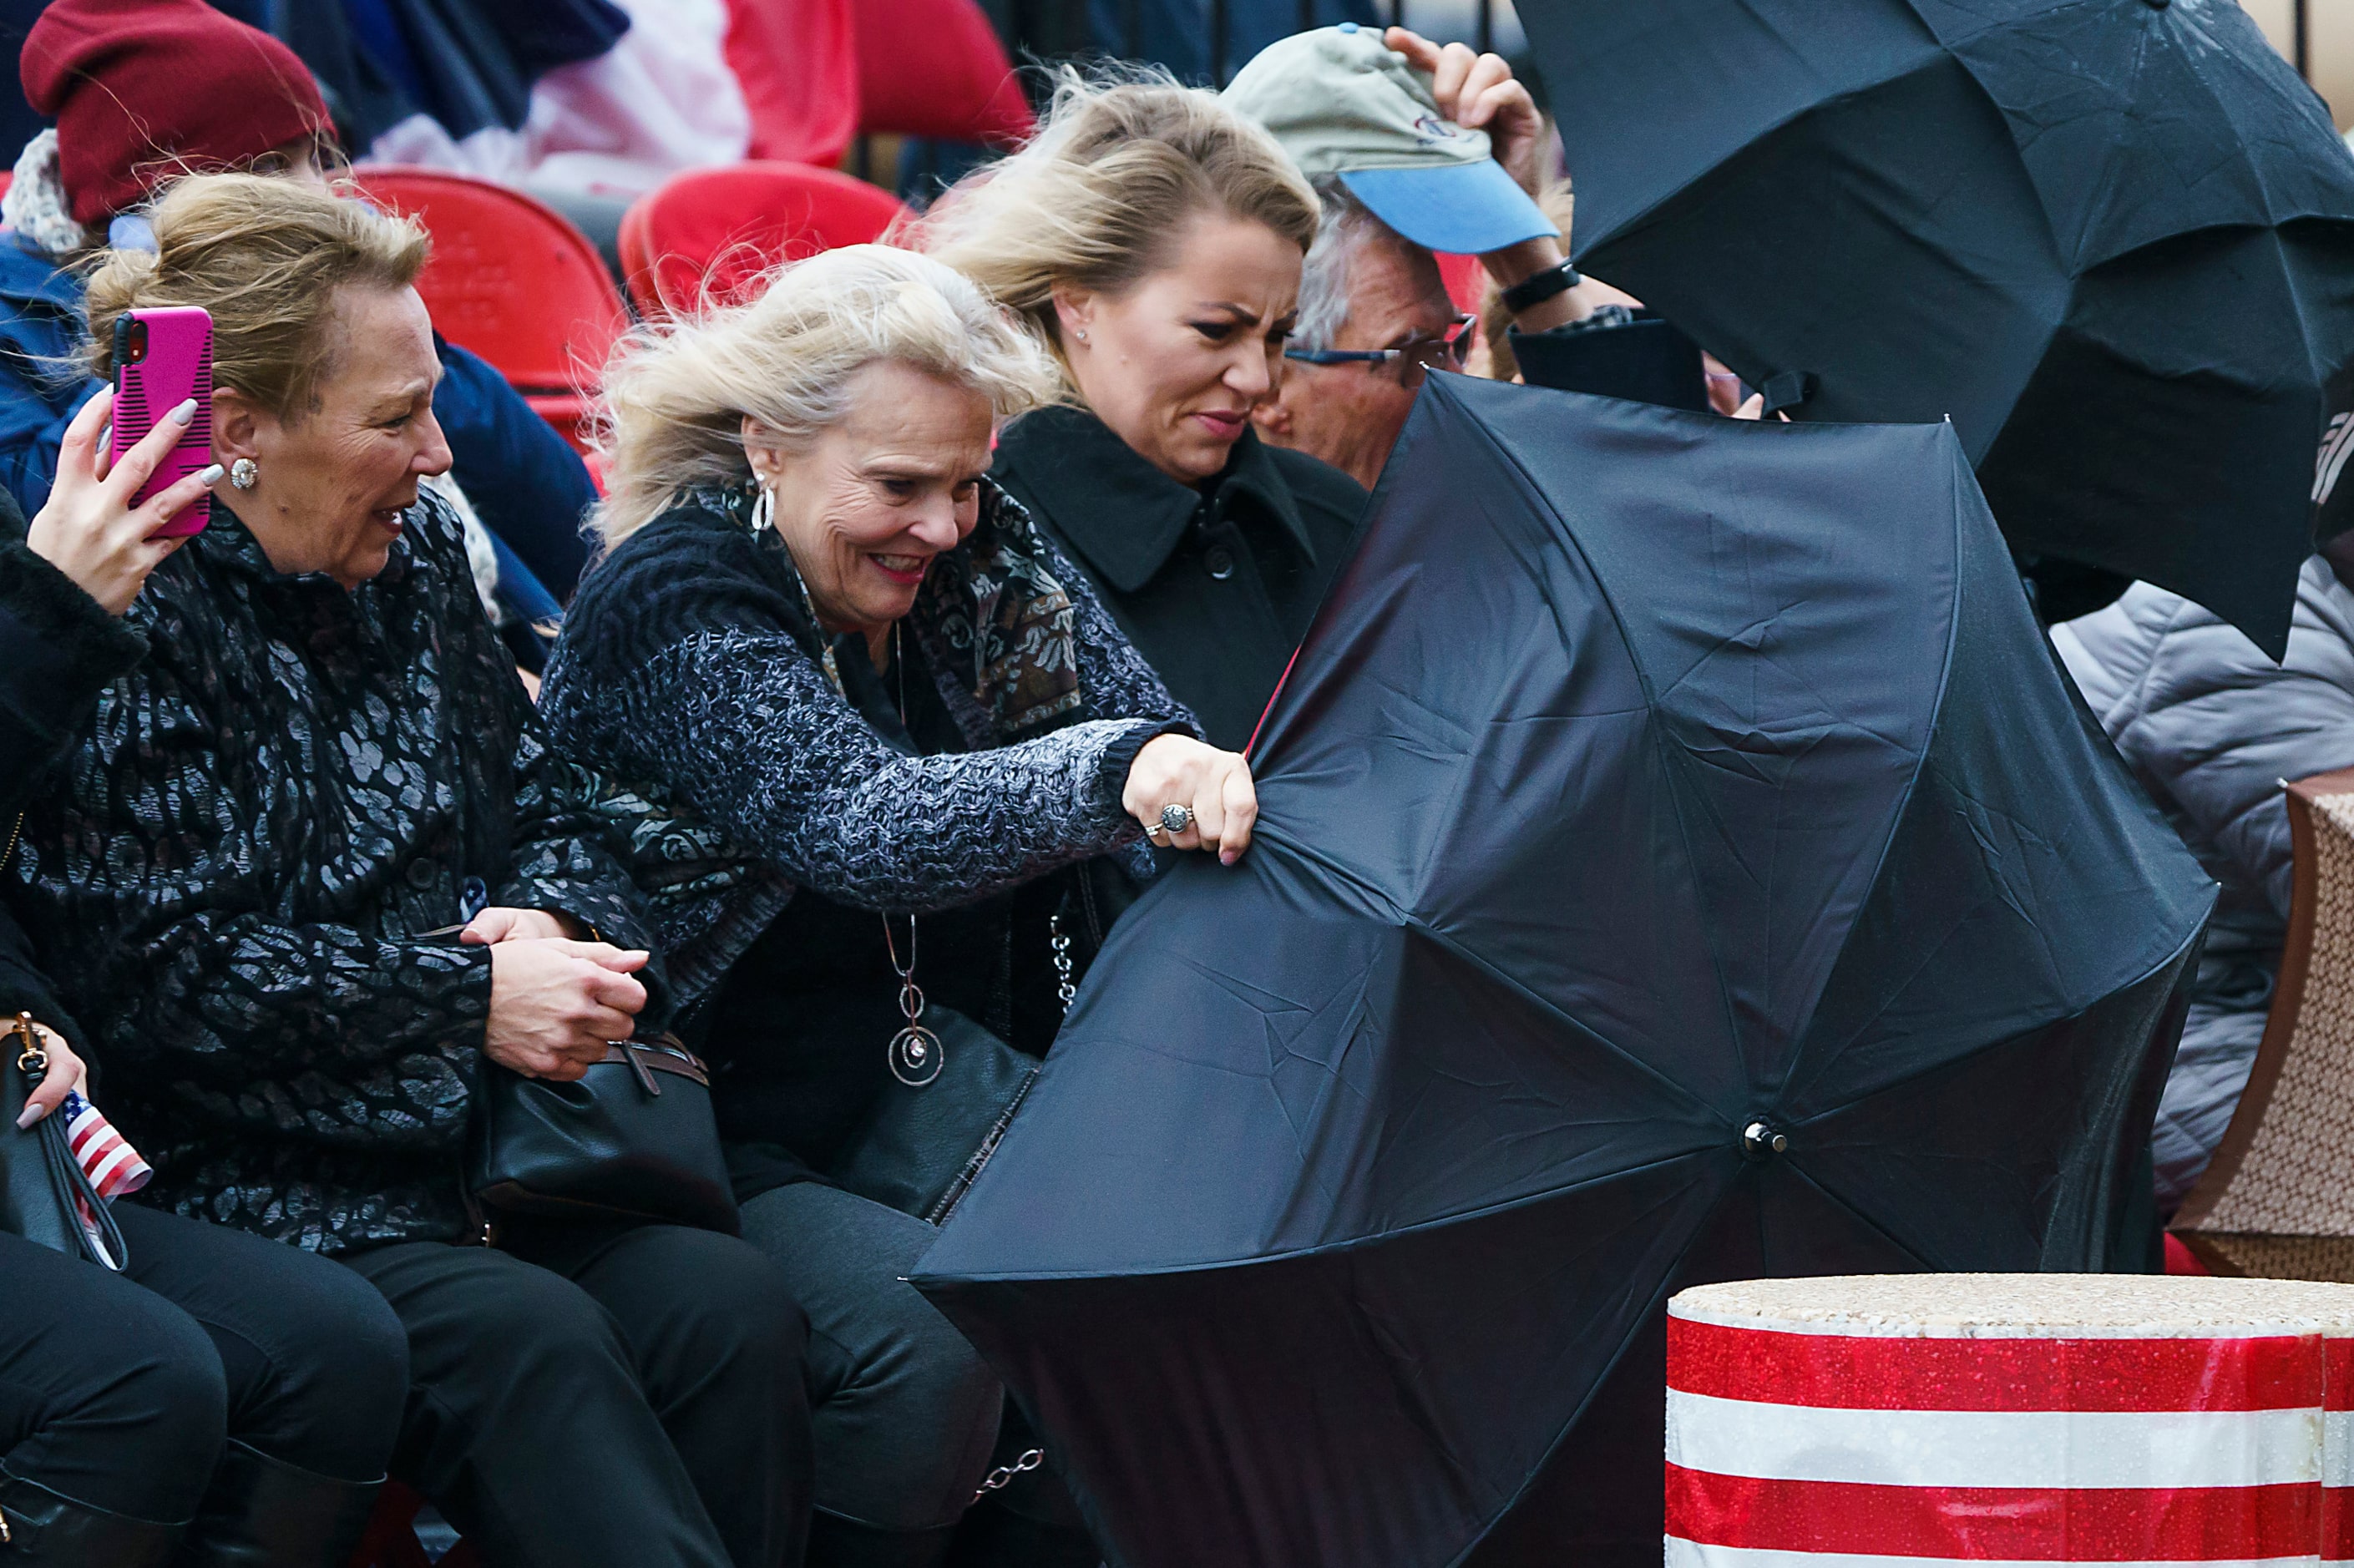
point(2112, 240)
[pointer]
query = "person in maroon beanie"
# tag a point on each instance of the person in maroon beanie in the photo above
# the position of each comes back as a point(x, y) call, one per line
point(143, 92)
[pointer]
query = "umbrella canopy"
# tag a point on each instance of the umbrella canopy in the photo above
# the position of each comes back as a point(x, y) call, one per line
point(1680, 860)
point(2112, 239)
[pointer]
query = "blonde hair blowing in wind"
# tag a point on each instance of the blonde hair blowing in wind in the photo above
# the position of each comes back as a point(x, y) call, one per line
point(676, 393)
point(1100, 197)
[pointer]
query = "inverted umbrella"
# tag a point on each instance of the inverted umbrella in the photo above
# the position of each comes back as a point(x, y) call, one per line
point(1679, 860)
point(2112, 239)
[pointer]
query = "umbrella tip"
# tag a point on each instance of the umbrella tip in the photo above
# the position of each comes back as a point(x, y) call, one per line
point(1763, 1140)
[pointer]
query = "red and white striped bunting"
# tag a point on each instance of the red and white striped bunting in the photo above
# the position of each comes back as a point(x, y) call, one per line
point(1789, 1448)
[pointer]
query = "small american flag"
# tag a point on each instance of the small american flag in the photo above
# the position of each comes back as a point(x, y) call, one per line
point(112, 1166)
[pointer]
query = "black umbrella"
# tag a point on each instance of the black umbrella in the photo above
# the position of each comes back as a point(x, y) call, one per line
point(1680, 860)
point(2112, 239)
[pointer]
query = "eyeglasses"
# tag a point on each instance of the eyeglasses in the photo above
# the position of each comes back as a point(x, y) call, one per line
point(1414, 361)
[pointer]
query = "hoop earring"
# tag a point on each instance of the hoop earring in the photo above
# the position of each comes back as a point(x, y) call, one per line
point(764, 510)
point(242, 473)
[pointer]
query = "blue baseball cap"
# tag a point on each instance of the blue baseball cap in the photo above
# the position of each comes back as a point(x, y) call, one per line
point(1343, 102)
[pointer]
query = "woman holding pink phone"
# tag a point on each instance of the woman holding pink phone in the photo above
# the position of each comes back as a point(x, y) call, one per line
point(95, 527)
point(183, 1410)
point(245, 881)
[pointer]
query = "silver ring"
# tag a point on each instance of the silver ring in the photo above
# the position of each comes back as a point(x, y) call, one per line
point(1155, 832)
point(1176, 818)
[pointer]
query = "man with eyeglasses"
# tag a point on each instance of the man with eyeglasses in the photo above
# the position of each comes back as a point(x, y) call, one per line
point(1414, 149)
point(1375, 318)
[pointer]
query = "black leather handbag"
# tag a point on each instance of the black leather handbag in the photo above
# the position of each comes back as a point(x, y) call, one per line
point(633, 1139)
point(926, 1145)
point(45, 1196)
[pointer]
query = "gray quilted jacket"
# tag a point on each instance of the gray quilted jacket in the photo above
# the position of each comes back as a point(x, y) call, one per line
point(2211, 727)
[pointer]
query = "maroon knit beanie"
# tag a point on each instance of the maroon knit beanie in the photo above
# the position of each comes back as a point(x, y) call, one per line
point(144, 90)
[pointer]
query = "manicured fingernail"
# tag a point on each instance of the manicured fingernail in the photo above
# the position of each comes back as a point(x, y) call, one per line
point(30, 1115)
point(211, 476)
point(185, 413)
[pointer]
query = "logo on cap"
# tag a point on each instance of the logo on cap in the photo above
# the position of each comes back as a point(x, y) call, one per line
point(1432, 132)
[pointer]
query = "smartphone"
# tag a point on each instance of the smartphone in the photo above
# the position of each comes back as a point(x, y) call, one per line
point(162, 358)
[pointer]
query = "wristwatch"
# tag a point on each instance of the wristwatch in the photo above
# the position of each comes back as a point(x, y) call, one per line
point(1531, 291)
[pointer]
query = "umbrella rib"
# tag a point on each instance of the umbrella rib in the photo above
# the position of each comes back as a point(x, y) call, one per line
point(2292, 279)
point(1269, 836)
point(1651, 214)
point(1353, 1243)
point(1861, 1218)
point(1658, 1301)
point(1950, 1062)
point(1555, 1012)
point(1660, 744)
point(1783, 1090)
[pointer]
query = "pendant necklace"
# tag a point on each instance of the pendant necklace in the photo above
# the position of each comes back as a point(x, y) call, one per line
point(916, 1056)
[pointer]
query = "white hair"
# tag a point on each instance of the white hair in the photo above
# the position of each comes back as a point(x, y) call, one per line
point(1347, 227)
point(676, 393)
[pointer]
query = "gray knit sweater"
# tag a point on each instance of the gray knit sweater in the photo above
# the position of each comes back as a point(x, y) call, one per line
point(689, 664)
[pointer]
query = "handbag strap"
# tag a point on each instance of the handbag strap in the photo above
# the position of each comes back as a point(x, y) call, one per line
point(1059, 941)
point(92, 1221)
point(664, 1054)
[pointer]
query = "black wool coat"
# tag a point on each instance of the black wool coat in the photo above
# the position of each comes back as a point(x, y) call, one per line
point(231, 876)
point(1216, 585)
point(57, 648)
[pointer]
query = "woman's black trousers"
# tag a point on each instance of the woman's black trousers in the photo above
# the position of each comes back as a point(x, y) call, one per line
point(626, 1399)
point(117, 1392)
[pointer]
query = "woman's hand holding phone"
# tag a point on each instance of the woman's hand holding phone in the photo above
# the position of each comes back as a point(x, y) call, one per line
point(89, 529)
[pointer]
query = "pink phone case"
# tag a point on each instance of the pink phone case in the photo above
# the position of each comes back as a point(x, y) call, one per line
point(162, 358)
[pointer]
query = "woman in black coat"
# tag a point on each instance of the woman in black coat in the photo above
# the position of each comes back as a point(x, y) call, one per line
point(248, 885)
point(116, 1390)
point(1154, 239)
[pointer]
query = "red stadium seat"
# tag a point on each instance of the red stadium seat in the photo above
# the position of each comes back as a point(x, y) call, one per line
point(797, 62)
point(935, 68)
point(514, 281)
point(710, 232)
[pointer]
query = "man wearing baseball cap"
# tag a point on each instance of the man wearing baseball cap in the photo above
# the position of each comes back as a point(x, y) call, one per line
point(1414, 149)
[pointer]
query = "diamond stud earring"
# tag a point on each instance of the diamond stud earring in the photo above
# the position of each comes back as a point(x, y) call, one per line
point(242, 473)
